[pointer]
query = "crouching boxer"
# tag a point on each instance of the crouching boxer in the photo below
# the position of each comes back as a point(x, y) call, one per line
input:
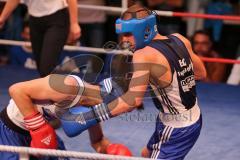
point(25, 121)
point(35, 131)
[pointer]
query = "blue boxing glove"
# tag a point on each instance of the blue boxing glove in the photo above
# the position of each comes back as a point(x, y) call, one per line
point(78, 119)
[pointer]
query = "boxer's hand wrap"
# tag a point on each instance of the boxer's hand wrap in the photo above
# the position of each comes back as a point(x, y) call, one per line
point(102, 112)
point(43, 135)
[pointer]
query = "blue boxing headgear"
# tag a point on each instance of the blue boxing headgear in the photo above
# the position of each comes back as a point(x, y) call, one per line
point(143, 30)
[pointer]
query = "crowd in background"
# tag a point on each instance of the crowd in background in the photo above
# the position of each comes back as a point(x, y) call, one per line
point(210, 38)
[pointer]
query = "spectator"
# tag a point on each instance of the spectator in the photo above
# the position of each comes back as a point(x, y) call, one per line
point(50, 22)
point(203, 46)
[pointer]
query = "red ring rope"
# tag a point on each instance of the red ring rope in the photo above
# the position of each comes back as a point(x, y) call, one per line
point(220, 60)
point(206, 16)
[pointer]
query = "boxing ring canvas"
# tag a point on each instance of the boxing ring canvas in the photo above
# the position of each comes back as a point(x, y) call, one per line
point(219, 139)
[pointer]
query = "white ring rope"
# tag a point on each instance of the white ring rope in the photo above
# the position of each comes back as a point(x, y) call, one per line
point(119, 10)
point(164, 13)
point(70, 154)
point(69, 48)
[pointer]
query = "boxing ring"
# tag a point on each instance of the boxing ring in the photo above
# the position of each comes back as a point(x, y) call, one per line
point(219, 103)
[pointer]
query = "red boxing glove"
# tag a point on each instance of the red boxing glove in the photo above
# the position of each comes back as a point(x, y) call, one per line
point(43, 135)
point(118, 149)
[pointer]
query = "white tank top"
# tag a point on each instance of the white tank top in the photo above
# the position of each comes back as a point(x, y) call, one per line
point(17, 118)
point(40, 8)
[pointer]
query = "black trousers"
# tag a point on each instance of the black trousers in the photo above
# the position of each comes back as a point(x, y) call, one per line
point(48, 36)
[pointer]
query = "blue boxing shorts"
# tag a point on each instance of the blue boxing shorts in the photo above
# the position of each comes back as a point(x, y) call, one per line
point(13, 135)
point(170, 143)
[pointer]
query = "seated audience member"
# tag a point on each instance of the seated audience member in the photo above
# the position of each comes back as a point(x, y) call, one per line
point(203, 46)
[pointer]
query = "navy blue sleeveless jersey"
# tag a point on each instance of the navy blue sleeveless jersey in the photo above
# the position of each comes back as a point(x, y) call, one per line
point(180, 95)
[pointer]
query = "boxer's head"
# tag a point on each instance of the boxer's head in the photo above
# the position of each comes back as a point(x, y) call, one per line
point(137, 26)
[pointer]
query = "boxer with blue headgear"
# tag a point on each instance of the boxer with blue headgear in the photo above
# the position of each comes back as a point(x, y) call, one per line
point(142, 27)
point(170, 67)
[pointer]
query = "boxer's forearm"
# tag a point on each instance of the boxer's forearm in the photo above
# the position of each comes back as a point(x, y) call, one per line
point(56, 88)
point(91, 95)
point(98, 141)
point(123, 104)
point(22, 100)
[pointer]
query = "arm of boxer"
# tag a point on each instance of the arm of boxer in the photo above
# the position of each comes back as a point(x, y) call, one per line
point(75, 30)
point(102, 145)
point(91, 95)
point(78, 119)
point(142, 64)
point(98, 141)
point(7, 10)
point(198, 66)
point(133, 98)
point(54, 87)
point(94, 94)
